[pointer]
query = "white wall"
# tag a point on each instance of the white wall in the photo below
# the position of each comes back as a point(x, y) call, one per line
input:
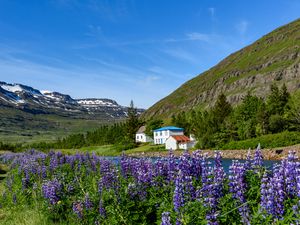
point(160, 137)
point(171, 143)
point(142, 137)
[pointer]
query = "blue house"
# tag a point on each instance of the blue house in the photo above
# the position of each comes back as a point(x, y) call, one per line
point(162, 134)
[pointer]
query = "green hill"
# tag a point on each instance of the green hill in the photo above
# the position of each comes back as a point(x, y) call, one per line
point(273, 58)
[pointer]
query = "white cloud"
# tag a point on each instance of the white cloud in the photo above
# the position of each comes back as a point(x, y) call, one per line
point(242, 27)
point(182, 55)
point(195, 36)
point(212, 11)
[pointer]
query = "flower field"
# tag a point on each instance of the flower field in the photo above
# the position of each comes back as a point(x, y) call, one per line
point(88, 189)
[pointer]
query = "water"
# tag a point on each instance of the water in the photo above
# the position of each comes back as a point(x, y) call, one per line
point(225, 162)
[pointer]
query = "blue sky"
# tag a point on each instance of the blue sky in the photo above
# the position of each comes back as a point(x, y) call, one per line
point(127, 49)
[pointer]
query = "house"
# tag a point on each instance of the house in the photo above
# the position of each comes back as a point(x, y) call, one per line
point(141, 136)
point(162, 134)
point(179, 142)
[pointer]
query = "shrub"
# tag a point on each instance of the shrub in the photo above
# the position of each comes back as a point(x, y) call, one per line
point(285, 138)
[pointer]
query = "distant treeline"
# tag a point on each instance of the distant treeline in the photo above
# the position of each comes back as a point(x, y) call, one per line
point(253, 118)
point(108, 134)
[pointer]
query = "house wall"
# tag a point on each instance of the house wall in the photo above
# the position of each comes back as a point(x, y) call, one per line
point(160, 137)
point(171, 143)
point(142, 137)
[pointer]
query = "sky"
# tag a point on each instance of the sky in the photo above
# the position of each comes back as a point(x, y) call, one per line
point(140, 50)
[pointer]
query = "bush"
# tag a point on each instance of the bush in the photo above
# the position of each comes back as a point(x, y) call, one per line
point(277, 123)
point(285, 138)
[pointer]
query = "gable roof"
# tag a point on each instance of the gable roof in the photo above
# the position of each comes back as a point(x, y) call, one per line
point(141, 130)
point(181, 138)
point(170, 128)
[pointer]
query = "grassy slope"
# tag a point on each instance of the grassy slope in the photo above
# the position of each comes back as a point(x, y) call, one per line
point(275, 47)
point(18, 127)
point(109, 150)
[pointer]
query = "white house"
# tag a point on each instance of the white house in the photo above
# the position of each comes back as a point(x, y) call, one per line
point(162, 134)
point(141, 136)
point(179, 142)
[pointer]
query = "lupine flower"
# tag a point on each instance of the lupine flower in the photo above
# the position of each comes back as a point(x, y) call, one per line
point(78, 209)
point(14, 197)
point(238, 188)
point(272, 193)
point(165, 218)
point(102, 211)
point(87, 202)
point(258, 158)
point(51, 191)
point(178, 197)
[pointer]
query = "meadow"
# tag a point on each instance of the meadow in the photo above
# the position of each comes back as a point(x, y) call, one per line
point(56, 188)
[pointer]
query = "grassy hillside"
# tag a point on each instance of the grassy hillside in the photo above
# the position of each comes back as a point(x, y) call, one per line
point(17, 126)
point(274, 57)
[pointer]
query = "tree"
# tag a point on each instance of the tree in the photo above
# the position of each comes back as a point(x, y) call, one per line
point(262, 118)
point(277, 100)
point(221, 110)
point(181, 120)
point(151, 125)
point(132, 123)
point(293, 112)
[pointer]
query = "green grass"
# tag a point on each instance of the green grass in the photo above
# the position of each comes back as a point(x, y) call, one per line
point(22, 216)
point(109, 150)
point(267, 141)
point(17, 126)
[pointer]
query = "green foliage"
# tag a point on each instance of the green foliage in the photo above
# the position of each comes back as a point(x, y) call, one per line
point(132, 123)
point(277, 123)
point(277, 100)
point(285, 138)
point(293, 112)
point(182, 120)
point(151, 125)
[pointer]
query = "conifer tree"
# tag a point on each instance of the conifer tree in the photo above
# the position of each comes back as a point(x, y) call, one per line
point(132, 123)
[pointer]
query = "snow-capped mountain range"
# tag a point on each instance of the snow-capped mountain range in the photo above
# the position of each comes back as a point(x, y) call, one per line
point(31, 100)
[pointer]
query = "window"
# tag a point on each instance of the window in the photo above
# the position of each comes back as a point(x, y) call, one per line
point(161, 133)
point(137, 137)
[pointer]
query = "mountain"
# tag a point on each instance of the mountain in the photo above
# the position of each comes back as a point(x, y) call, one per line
point(28, 114)
point(34, 101)
point(273, 58)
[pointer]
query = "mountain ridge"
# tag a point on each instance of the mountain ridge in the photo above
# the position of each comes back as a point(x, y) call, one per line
point(32, 100)
point(273, 58)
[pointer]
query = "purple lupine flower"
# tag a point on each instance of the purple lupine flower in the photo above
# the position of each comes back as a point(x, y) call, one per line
point(237, 187)
point(248, 162)
point(258, 157)
point(172, 167)
point(264, 191)
point(272, 193)
point(196, 168)
point(51, 191)
point(178, 197)
point(289, 166)
point(87, 202)
point(78, 209)
point(165, 218)
point(212, 188)
point(102, 211)
point(14, 197)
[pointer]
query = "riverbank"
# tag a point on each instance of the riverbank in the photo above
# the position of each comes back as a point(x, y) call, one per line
point(268, 153)
point(156, 151)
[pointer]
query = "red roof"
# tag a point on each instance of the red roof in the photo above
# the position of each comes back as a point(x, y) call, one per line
point(180, 138)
